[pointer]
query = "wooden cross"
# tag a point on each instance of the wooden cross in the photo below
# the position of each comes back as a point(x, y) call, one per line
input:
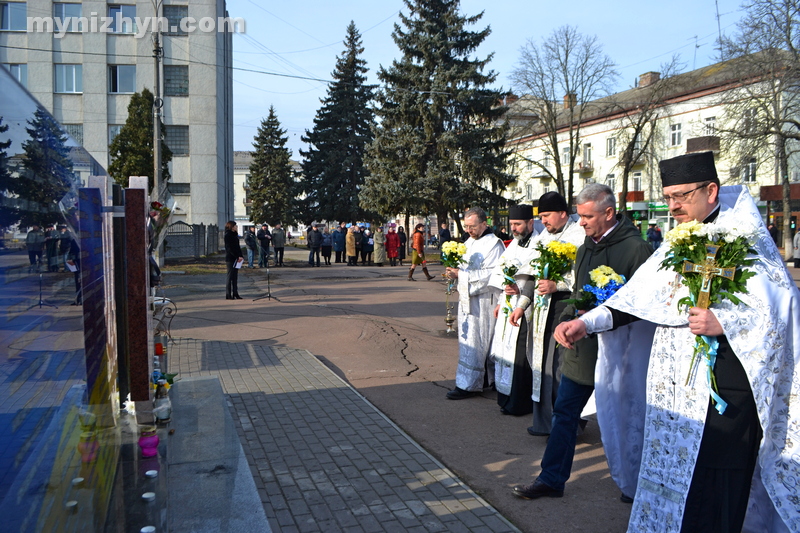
point(708, 269)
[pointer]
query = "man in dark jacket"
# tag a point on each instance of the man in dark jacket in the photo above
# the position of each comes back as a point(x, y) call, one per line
point(611, 240)
point(339, 235)
point(264, 237)
point(444, 234)
point(314, 242)
point(252, 244)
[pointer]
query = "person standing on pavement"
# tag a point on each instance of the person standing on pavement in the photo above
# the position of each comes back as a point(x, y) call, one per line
point(401, 252)
point(314, 243)
point(418, 253)
point(350, 245)
point(278, 243)
point(251, 242)
point(264, 237)
point(613, 241)
point(326, 245)
point(51, 243)
point(444, 235)
point(34, 242)
point(392, 245)
point(233, 255)
point(654, 236)
point(339, 237)
point(476, 302)
point(63, 246)
point(380, 251)
point(367, 246)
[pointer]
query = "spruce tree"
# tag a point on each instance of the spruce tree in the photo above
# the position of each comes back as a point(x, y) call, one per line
point(439, 146)
point(9, 208)
point(46, 175)
point(333, 167)
point(273, 189)
point(132, 149)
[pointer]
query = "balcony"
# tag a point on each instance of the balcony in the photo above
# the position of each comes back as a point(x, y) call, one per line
point(703, 144)
point(633, 196)
point(585, 167)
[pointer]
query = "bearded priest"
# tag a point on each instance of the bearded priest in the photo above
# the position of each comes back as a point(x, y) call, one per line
point(724, 457)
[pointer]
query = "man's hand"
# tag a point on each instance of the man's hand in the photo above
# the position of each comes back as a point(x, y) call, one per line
point(496, 310)
point(546, 286)
point(451, 273)
point(511, 290)
point(567, 333)
point(703, 322)
point(515, 316)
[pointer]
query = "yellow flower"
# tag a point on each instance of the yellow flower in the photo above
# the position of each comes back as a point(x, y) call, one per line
point(603, 274)
point(682, 232)
point(566, 249)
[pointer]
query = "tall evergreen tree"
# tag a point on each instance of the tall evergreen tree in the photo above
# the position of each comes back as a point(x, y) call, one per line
point(273, 189)
point(46, 175)
point(439, 146)
point(333, 167)
point(132, 149)
point(9, 209)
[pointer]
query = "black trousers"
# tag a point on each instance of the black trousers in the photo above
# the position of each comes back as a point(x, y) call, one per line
point(232, 279)
point(279, 256)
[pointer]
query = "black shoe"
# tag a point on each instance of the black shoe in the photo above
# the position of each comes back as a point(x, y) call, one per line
point(625, 499)
point(229, 297)
point(237, 297)
point(537, 489)
point(460, 394)
point(537, 433)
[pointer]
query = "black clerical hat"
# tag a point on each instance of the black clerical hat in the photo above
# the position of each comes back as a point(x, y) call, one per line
point(552, 201)
point(689, 168)
point(520, 212)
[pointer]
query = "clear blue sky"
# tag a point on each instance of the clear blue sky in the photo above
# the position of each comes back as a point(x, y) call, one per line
point(304, 38)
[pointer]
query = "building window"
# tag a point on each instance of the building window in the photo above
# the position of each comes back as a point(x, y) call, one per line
point(547, 161)
point(528, 191)
point(68, 78)
point(546, 187)
point(637, 144)
point(636, 182)
point(565, 155)
point(611, 147)
point(75, 131)
point(174, 16)
point(177, 139)
point(19, 71)
point(122, 79)
point(675, 135)
point(528, 164)
point(113, 131)
point(13, 16)
point(749, 120)
point(749, 171)
point(124, 19)
point(67, 16)
point(611, 181)
point(710, 126)
point(587, 155)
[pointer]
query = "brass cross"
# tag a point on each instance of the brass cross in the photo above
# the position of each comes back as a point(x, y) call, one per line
point(708, 269)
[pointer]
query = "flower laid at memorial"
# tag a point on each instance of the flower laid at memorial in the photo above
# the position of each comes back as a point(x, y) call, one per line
point(712, 260)
point(160, 215)
point(603, 283)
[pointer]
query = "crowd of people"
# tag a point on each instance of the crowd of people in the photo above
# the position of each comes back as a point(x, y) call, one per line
point(713, 452)
point(48, 249)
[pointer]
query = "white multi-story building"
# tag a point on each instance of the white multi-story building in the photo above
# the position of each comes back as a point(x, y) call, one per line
point(84, 60)
point(687, 120)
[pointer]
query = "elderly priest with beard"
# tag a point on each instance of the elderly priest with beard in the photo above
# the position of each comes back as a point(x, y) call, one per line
point(512, 372)
point(720, 430)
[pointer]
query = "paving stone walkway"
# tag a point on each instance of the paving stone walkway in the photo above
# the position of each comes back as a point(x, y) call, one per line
point(322, 456)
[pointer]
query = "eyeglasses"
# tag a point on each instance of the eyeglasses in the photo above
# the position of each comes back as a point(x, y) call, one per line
point(472, 226)
point(682, 196)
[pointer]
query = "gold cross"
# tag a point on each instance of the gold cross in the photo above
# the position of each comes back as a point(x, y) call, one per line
point(708, 269)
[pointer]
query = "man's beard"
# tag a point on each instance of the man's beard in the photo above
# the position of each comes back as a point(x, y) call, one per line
point(521, 236)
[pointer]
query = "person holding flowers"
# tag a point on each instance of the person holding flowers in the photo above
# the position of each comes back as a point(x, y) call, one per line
point(543, 299)
point(512, 372)
point(610, 240)
point(476, 301)
point(720, 430)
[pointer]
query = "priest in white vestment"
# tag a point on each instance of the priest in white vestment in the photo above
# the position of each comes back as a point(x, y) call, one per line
point(476, 301)
point(702, 470)
point(512, 371)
